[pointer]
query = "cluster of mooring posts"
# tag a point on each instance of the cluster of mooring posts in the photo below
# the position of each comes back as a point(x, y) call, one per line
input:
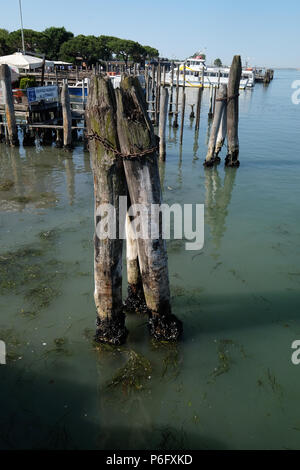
point(123, 149)
point(48, 121)
point(223, 110)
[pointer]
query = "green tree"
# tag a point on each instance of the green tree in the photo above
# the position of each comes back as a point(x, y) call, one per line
point(124, 49)
point(4, 42)
point(52, 40)
point(218, 63)
point(150, 53)
point(89, 48)
point(33, 41)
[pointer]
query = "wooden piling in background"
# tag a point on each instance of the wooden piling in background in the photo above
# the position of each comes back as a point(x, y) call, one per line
point(162, 122)
point(210, 110)
point(171, 90)
point(220, 105)
point(175, 123)
point(67, 116)
point(182, 118)
point(198, 109)
point(12, 130)
point(233, 112)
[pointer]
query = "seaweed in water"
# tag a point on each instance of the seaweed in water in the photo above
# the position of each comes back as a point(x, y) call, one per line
point(48, 235)
point(26, 271)
point(224, 357)
point(7, 185)
point(133, 376)
point(41, 296)
point(171, 361)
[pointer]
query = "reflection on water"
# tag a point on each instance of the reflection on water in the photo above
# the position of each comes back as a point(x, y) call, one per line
point(217, 202)
point(230, 382)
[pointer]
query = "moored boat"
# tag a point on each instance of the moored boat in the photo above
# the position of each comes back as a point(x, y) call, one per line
point(196, 71)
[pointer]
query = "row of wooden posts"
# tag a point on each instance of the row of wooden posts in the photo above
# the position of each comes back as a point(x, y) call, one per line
point(161, 103)
point(223, 109)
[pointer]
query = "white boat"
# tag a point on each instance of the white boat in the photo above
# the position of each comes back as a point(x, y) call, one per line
point(195, 69)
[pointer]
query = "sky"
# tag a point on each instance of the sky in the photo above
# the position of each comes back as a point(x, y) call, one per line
point(263, 32)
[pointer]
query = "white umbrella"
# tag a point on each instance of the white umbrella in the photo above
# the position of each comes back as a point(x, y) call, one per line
point(24, 61)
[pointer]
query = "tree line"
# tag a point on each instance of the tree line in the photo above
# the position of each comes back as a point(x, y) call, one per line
point(60, 44)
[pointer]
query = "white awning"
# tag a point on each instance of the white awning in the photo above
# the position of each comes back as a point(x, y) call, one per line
point(24, 61)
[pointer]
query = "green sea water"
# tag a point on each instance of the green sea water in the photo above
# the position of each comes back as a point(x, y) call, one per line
point(230, 382)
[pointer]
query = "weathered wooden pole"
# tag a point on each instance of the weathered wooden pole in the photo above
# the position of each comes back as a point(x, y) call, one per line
point(171, 90)
point(142, 175)
point(220, 105)
point(214, 99)
point(182, 117)
point(210, 110)
point(221, 134)
point(175, 123)
point(109, 185)
point(67, 116)
point(162, 122)
point(233, 112)
point(198, 109)
point(192, 115)
point(135, 301)
point(12, 130)
point(157, 97)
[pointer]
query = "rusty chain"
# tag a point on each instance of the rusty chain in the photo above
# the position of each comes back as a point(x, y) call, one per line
point(109, 147)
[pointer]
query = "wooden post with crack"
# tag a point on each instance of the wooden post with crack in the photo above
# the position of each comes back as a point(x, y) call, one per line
point(109, 184)
point(233, 112)
point(136, 135)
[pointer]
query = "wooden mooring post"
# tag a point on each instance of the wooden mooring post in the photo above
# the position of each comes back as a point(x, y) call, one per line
point(67, 116)
point(221, 101)
point(142, 176)
point(12, 129)
point(198, 108)
point(163, 113)
point(210, 110)
point(222, 133)
point(124, 157)
point(175, 123)
point(182, 117)
point(171, 90)
point(109, 185)
point(233, 112)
